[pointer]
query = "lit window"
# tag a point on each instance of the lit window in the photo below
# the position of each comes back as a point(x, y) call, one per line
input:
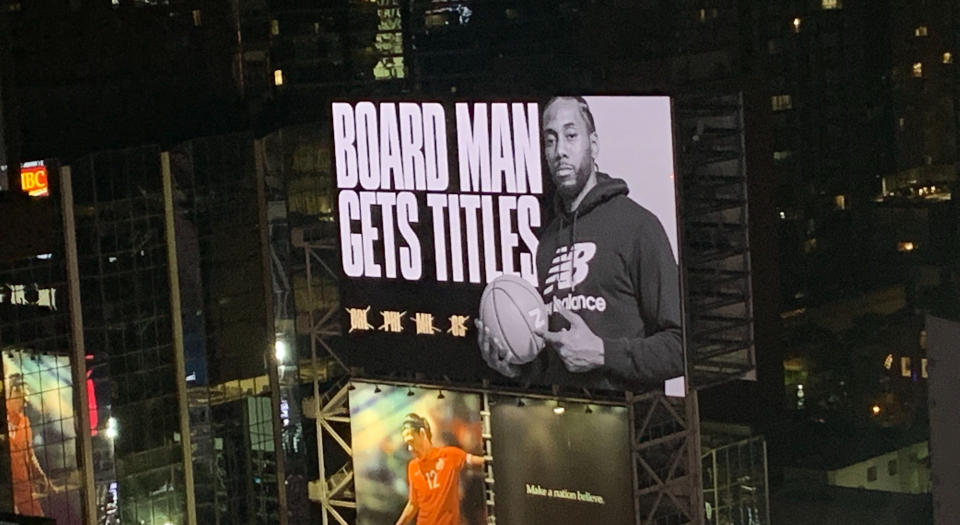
point(796, 24)
point(197, 18)
point(278, 77)
point(905, 369)
point(780, 156)
point(840, 202)
point(902, 122)
point(906, 246)
point(948, 58)
point(888, 361)
point(892, 467)
point(920, 31)
point(830, 4)
point(275, 27)
point(872, 474)
point(781, 102)
point(703, 15)
point(918, 69)
point(923, 367)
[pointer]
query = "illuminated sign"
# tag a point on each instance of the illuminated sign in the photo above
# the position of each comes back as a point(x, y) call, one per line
point(562, 464)
point(414, 445)
point(573, 195)
point(28, 295)
point(33, 179)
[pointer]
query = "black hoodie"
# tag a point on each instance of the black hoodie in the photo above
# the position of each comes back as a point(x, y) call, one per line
point(610, 262)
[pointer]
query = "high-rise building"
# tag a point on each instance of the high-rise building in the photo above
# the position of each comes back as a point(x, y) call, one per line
point(173, 292)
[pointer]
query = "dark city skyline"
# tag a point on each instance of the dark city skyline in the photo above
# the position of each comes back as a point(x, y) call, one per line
point(181, 247)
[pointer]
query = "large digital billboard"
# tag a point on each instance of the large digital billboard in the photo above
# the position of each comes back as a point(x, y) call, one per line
point(417, 455)
point(552, 222)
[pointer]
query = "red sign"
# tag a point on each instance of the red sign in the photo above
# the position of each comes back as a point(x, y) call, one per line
point(33, 180)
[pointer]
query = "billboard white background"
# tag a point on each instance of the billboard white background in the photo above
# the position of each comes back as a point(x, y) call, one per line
point(636, 144)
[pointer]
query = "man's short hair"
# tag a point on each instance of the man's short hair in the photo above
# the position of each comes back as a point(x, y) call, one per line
point(415, 422)
point(582, 106)
point(15, 380)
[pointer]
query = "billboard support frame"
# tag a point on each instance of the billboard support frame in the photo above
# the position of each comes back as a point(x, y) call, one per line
point(715, 218)
point(333, 494)
point(664, 434)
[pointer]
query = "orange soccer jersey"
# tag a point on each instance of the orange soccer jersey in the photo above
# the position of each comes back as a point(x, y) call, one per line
point(21, 463)
point(435, 486)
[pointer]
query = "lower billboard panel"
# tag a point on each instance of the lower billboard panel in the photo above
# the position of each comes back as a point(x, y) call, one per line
point(561, 465)
point(419, 457)
point(416, 454)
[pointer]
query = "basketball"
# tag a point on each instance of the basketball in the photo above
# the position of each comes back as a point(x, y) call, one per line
point(512, 308)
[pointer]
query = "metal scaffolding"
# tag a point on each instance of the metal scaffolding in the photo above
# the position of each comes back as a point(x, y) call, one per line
point(716, 249)
point(735, 483)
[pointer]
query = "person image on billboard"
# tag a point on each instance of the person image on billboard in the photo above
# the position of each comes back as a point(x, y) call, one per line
point(433, 476)
point(606, 272)
point(28, 477)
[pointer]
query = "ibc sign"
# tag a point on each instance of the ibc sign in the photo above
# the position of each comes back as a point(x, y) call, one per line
point(33, 179)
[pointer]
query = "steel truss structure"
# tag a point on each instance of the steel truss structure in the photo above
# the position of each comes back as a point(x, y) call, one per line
point(716, 248)
point(665, 431)
point(735, 482)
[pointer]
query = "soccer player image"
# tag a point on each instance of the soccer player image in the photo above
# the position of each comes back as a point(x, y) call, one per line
point(433, 476)
point(29, 480)
point(606, 272)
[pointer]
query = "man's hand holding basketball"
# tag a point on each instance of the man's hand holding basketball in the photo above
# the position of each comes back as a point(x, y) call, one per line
point(493, 351)
point(580, 349)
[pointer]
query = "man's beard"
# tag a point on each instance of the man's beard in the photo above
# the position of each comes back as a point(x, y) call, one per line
point(581, 174)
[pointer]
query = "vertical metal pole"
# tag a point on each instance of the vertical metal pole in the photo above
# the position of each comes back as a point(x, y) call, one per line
point(78, 361)
point(716, 486)
point(176, 326)
point(272, 361)
point(694, 461)
point(766, 485)
point(632, 423)
point(489, 481)
point(321, 471)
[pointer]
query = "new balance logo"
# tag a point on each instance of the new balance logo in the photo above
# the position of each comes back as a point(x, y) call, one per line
point(569, 267)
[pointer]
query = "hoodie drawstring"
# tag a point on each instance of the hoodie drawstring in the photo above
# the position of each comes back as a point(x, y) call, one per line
point(571, 245)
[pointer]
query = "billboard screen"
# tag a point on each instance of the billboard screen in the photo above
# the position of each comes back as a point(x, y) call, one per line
point(563, 210)
point(568, 466)
point(42, 437)
point(416, 454)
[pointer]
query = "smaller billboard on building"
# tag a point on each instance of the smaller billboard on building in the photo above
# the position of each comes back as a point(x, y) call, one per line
point(561, 463)
point(420, 456)
point(416, 453)
point(41, 433)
